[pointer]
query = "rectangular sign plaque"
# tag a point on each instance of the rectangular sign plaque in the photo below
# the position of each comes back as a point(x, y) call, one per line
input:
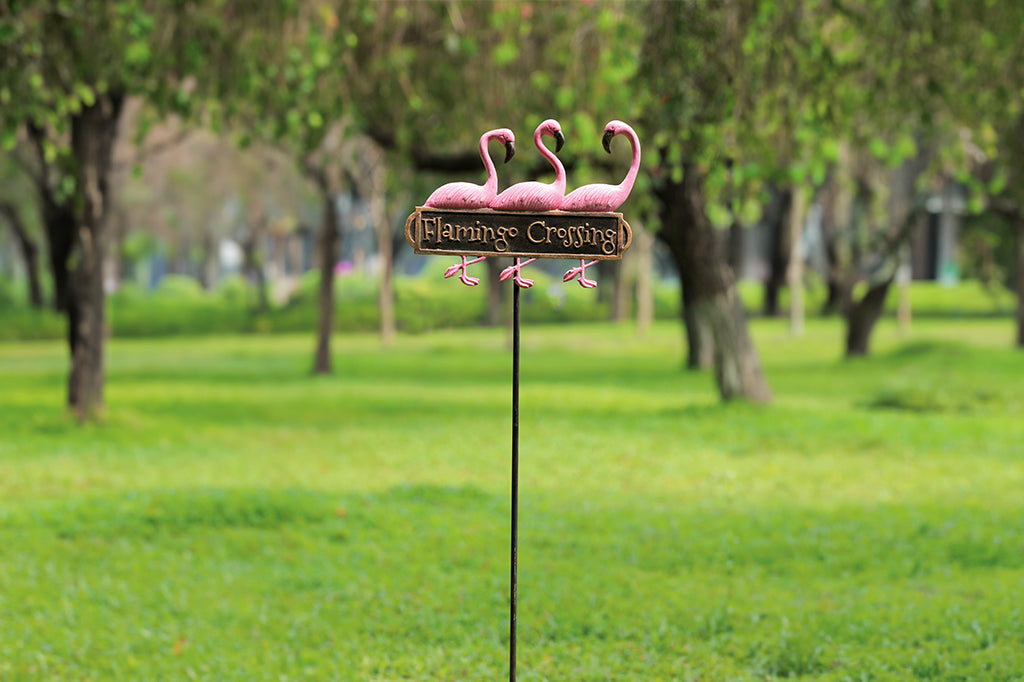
point(485, 232)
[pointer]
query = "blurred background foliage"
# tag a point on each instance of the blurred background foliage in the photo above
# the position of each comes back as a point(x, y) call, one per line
point(250, 142)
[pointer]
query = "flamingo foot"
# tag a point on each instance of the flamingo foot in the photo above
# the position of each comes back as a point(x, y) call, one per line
point(580, 272)
point(515, 271)
point(460, 270)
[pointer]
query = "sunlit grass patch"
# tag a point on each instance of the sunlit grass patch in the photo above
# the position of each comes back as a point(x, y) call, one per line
point(234, 517)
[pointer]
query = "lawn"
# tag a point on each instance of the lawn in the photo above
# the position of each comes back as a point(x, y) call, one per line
point(234, 518)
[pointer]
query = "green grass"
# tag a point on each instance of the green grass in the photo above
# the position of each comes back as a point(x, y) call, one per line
point(235, 518)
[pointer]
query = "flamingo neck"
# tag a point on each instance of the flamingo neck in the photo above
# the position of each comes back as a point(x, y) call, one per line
point(626, 186)
point(550, 156)
point(491, 185)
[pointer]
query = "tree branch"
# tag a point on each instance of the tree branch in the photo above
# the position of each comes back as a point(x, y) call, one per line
point(458, 162)
point(143, 153)
point(1007, 208)
point(10, 212)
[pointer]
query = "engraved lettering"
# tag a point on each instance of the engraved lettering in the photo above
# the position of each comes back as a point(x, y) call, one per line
point(547, 237)
point(430, 228)
point(544, 235)
point(504, 234)
point(529, 232)
point(608, 246)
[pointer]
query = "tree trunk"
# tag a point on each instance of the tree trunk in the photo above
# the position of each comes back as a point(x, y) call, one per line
point(834, 295)
point(29, 252)
point(700, 345)
point(644, 245)
point(862, 315)
point(795, 266)
point(623, 294)
point(779, 218)
point(60, 224)
point(252, 257)
point(736, 246)
point(93, 132)
point(1020, 279)
point(861, 319)
point(709, 288)
point(211, 259)
point(369, 176)
point(330, 243)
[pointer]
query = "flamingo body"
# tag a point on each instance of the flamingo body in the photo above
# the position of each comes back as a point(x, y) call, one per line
point(538, 196)
point(466, 194)
point(601, 197)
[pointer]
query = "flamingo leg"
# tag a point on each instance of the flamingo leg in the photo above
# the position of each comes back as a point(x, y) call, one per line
point(460, 269)
point(581, 272)
point(515, 271)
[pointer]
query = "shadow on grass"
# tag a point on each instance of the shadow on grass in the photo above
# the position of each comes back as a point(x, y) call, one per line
point(151, 512)
point(972, 382)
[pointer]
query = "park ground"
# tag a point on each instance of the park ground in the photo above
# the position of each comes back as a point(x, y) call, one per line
point(233, 517)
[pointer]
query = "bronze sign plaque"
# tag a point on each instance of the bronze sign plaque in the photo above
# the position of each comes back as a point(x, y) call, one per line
point(485, 232)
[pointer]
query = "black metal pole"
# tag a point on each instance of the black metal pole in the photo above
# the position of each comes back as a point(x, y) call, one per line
point(515, 480)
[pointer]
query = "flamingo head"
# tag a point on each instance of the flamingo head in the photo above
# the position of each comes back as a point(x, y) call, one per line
point(611, 130)
point(554, 129)
point(507, 138)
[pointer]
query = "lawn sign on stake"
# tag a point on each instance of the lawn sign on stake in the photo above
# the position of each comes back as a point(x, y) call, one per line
point(529, 220)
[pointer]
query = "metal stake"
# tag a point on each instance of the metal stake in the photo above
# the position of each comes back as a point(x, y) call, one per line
point(515, 479)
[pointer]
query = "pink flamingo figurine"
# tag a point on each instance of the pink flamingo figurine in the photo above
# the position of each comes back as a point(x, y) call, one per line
point(516, 272)
point(573, 273)
point(602, 197)
point(460, 268)
point(466, 194)
point(535, 196)
point(538, 196)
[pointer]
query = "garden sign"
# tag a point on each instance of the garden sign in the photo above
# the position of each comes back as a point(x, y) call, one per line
point(527, 221)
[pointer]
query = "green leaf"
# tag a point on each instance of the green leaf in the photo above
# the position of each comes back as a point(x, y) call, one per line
point(750, 211)
point(321, 59)
point(85, 94)
point(137, 53)
point(719, 215)
point(564, 97)
point(905, 148)
point(505, 53)
point(7, 32)
point(998, 183)
point(10, 136)
point(49, 151)
point(819, 170)
point(67, 186)
point(315, 119)
point(879, 149)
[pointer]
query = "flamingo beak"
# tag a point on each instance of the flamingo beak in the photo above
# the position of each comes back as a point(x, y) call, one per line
point(510, 150)
point(607, 140)
point(559, 140)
